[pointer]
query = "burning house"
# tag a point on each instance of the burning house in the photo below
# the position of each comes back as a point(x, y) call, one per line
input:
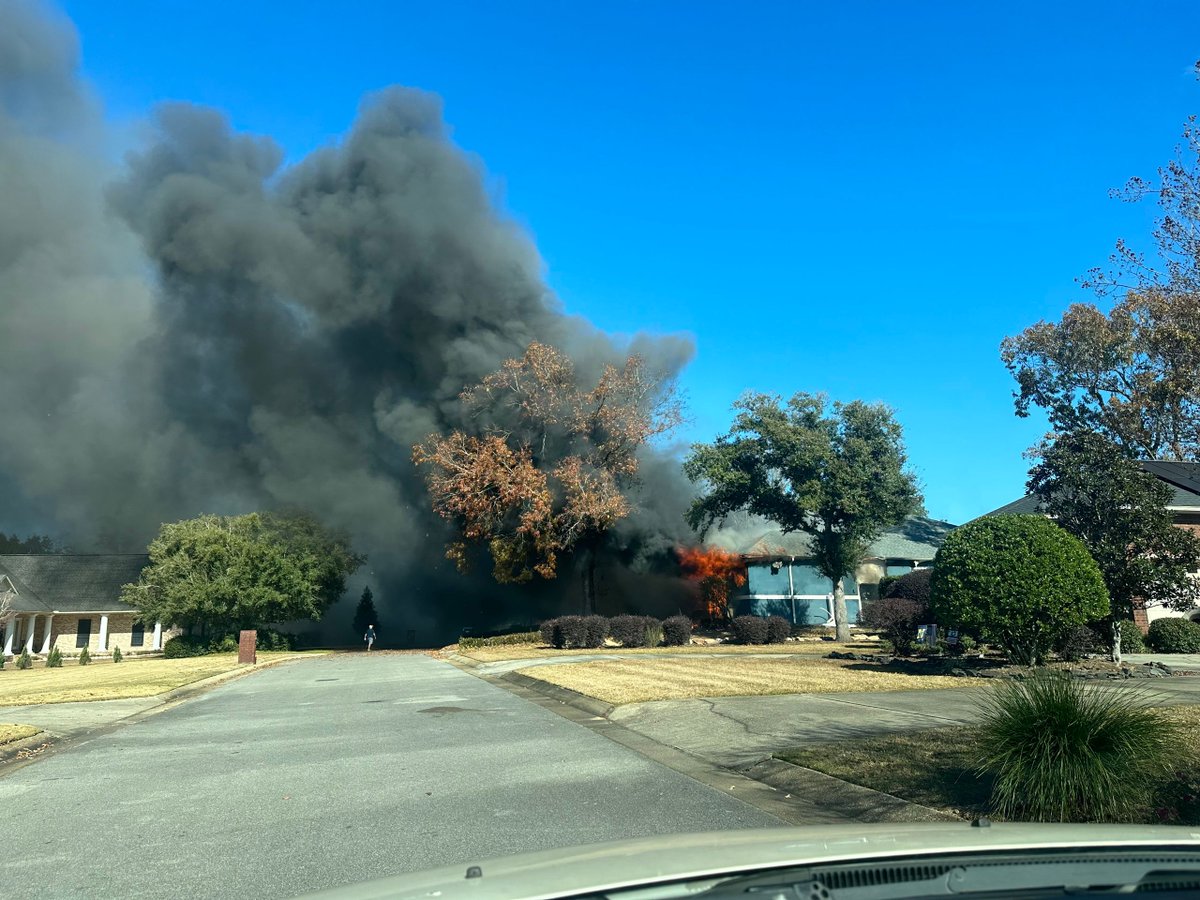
point(781, 579)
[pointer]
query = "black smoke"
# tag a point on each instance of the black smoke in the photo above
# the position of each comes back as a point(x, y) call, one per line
point(194, 326)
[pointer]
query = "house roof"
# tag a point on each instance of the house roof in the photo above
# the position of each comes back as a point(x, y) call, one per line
point(1182, 477)
point(71, 582)
point(916, 538)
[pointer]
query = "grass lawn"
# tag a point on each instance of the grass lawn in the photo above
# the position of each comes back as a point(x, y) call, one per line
point(105, 680)
point(10, 733)
point(815, 648)
point(936, 767)
point(638, 680)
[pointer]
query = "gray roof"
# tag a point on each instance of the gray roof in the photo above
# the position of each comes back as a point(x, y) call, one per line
point(916, 538)
point(1182, 477)
point(71, 582)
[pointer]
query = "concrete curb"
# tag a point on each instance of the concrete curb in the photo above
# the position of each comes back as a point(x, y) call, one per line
point(862, 804)
point(13, 748)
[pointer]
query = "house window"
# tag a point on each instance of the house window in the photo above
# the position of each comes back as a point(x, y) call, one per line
point(896, 569)
point(137, 635)
point(83, 633)
point(762, 580)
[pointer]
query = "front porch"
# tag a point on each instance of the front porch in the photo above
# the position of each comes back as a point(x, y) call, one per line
point(99, 632)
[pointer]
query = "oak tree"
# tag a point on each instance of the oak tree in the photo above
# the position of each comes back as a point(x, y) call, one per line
point(835, 474)
point(547, 471)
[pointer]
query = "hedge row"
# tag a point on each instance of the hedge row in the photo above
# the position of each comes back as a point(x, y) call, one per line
point(184, 645)
point(589, 632)
point(499, 640)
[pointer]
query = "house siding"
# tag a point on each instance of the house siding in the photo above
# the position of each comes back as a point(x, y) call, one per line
point(120, 633)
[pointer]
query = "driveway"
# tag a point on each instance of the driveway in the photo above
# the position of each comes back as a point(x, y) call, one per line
point(326, 772)
point(739, 731)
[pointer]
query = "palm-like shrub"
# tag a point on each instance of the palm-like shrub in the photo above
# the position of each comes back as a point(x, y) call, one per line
point(1064, 751)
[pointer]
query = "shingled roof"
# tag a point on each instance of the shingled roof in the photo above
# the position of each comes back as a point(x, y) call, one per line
point(71, 582)
point(916, 538)
point(1182, 477)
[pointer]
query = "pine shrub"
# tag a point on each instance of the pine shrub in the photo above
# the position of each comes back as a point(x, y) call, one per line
point(24, 661)
point(85, 656)
point(750, 630)
point(1062, 750)
point(54, 660)
point(116, 654)
point(677, 631)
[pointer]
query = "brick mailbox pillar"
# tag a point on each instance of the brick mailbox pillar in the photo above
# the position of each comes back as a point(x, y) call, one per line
point(247, 642)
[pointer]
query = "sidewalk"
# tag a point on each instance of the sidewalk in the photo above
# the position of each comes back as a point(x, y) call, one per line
point(69, 719)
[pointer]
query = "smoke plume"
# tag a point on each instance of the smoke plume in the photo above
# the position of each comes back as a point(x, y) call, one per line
point(201, 328)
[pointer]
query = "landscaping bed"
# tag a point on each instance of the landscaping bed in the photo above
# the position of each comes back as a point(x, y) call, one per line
point(646, 679)
point(936, 768)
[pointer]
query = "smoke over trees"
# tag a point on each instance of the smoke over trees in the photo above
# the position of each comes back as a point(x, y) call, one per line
point(203, 329)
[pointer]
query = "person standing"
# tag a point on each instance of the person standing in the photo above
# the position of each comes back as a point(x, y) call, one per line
point(369, 637)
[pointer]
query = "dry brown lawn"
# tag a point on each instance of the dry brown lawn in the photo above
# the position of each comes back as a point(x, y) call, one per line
point(640, 680)
point(10, 733)
point(114, 681)
point(792, 648)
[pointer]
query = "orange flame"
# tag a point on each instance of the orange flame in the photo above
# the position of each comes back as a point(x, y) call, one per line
point(714, 571)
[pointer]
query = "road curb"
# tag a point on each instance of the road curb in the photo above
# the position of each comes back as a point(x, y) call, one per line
point(12, 749)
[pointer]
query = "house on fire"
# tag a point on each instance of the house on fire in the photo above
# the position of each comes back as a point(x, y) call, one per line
point(781, 579)
point(1184, 480)
point(72, 601)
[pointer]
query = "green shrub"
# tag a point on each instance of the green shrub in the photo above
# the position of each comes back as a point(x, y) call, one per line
point(116, 654)
point(54, 660)
point(226, 644)
point(1132, 639)
point(779, 629)
point(677, 631)
point(1077, 642)
point(1174, 636)
point(24, 661)
point(502, 640)
point(652, 635)
point(750, 630)
point(182, 646)
point(270, 639)
point(634, 631)
point(85, 656)
point(1017, 581)
point(1062, 750)
point(967, 644)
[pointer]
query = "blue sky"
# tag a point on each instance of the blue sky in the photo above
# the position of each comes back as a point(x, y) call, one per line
point(859, 198)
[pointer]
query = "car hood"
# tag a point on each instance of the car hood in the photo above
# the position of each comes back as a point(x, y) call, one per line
point(626, 864)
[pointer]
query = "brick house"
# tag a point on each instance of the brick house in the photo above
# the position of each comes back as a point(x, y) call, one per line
point(72, 601)
point(1184, 480)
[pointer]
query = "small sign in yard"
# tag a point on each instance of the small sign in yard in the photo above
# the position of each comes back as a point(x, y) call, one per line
point(952, 636)
point(247, 644)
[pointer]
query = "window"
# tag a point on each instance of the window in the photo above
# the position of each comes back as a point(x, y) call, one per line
point(898, 569)
point(83, 633)
point(137, 635)
point(810, 582)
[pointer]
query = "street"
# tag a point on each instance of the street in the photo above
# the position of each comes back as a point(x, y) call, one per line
point(327, 772)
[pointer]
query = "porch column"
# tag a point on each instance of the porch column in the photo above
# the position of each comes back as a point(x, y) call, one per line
point(49, 634)
point(103, 648)
point(10, 629)
point(157, 645)
point(30, 624)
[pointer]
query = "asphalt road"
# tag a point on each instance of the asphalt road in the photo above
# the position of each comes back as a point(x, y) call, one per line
point(327, 772)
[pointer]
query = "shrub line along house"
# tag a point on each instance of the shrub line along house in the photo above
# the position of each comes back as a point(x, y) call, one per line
point(1184, 480)
point(781, 579)
point(72, 601)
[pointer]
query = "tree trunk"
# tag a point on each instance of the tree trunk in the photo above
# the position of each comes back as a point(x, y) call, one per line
point(1116, 640)
point(587, 561)
point(839, 612)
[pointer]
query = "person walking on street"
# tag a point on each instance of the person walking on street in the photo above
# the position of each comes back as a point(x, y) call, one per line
point(369, 637)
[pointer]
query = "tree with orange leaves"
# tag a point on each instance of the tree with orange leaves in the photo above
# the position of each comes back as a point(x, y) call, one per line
point(714, 571)
point(548, 471)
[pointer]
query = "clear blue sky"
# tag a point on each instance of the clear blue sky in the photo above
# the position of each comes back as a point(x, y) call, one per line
point(860, 198)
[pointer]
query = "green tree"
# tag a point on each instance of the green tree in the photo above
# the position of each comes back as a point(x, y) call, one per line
point(1094, 489)
point(837, 475)
point(1020, 581)
point(35, 543)
point(364, 613)
point(222, 573)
